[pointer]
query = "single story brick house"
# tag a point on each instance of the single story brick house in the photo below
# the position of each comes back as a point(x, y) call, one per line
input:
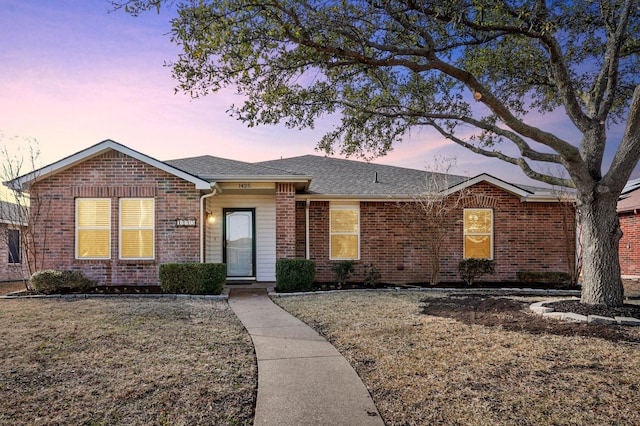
point(629, 216)
point(117, 214)
point(12, 226)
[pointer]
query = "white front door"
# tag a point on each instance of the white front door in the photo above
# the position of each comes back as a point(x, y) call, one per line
point(239, 242)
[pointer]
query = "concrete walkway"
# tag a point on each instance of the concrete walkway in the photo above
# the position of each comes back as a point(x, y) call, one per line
point(302, 378)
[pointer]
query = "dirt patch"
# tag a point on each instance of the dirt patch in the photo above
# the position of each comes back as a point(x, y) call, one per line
point(11, 286)
point(513, 315)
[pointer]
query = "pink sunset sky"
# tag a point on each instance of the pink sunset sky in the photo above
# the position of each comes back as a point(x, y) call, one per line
point(73, 74)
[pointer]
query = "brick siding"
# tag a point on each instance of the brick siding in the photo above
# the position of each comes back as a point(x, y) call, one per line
point(527, 236)
point(115, 175)
point(285, 220)
point(11, 271)
point(630, 243)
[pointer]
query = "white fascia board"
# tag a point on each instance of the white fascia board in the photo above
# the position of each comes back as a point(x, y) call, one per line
point(349, 198)
point(24, 181)
point(260, 178)
point(304, 181)
point(489, 179)
point(547, 198)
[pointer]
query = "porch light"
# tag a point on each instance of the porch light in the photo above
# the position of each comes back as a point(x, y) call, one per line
point(211, 218)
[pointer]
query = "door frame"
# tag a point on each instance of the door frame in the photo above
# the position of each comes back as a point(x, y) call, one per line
point(253, 239)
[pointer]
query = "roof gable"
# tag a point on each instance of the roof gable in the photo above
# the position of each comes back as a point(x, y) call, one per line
point(513, 189)
point(25, 181)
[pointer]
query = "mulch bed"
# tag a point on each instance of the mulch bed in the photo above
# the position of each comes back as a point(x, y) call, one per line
point(513, 315)
point(626, 310)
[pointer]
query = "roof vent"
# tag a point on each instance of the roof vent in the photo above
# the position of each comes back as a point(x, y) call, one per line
point(376, 178)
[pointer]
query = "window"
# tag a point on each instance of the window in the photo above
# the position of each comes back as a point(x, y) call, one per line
point(137, 228)
point(478, 234)
point(344, 231)
point(13, 239)
point(93, 228)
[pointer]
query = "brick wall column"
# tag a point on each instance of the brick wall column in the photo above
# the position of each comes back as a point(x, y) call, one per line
point(285, 220)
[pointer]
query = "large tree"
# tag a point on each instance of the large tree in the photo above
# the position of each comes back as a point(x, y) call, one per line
point(477, 71)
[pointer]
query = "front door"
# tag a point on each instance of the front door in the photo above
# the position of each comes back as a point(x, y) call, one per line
point(239, 242)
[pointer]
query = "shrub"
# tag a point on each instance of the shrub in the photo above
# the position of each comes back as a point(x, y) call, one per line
point(295, 274)
point(343, 271)
point(192, 278)
point(551, 279)
point(472, 269)
point(372, 276)
point(52, 281)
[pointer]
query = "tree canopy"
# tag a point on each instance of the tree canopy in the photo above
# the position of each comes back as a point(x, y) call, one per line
point(386, 66)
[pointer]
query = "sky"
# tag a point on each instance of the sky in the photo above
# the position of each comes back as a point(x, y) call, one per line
point(72, 74)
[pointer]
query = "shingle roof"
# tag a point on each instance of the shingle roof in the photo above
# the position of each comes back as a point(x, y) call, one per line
point(339, 177)
point(631, 186)
point(630, 198)
point(211, 168)
point(12, 213)
point(335, 176)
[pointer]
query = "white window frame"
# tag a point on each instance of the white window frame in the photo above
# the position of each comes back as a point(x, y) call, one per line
point(344, 206)
point(77, 228)
point(490, 234)
point(152, 229)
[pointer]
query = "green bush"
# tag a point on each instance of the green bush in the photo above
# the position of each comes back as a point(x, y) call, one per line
point(51, 281)
point(472, 269)
point(551, 279)
point(343, 271)
point(294, 274)
point(192, 278)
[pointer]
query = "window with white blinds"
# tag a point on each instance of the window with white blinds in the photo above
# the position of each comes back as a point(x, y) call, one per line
point(93, 228)
point(137, 228)
point(344, 232)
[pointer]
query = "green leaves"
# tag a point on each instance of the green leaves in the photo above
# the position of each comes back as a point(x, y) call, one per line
point(386, 66)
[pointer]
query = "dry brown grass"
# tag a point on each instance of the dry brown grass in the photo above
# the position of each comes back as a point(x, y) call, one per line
point(135, 361)
point(424, 369)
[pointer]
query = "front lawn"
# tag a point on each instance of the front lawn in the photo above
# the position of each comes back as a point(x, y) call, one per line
point(134, 361)
point(435, 369)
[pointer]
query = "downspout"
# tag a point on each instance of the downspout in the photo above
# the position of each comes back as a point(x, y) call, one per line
point(306, 230)
point(203, 218)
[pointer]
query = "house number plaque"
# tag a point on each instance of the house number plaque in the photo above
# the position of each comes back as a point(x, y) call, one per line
point(186, 223)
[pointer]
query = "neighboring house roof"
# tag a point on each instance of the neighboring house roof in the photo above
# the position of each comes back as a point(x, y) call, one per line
point(13, 214)
point(631, 186)
point(356, 179)
point(630, 198)
point(23, 182)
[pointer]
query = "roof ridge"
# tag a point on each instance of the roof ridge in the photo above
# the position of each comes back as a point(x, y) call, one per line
point(338, 159)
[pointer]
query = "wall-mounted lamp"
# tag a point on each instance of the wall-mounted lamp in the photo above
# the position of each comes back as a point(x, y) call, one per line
point(211, 218)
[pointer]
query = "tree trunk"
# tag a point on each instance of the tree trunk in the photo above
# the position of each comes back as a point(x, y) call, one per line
point(435, 269)
point(601, 233)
